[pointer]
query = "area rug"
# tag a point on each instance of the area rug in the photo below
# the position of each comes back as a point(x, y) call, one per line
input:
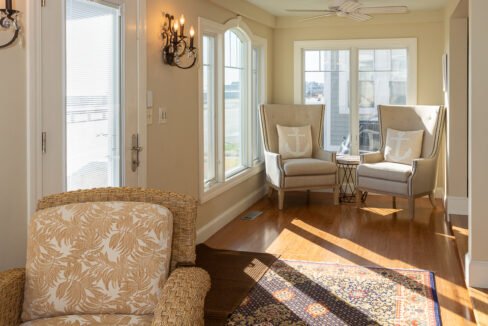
point(233, 274)
point(306, 293)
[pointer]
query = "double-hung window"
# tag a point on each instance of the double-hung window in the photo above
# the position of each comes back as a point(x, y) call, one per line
point(353, 77)
point(232, 82)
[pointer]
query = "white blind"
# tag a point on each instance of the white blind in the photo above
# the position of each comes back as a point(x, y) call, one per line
point(92, 95)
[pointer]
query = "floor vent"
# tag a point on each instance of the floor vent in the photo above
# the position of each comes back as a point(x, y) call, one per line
point(251, 215)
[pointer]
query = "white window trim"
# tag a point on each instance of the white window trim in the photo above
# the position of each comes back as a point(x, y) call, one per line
point(354, 46)
point(261, 44)
point(207, 27)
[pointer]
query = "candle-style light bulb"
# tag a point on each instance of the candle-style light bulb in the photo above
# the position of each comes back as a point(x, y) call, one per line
point(192, 37)
point(176, 27)
point(182, 26)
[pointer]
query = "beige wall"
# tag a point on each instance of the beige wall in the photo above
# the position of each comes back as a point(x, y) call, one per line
point(478, 151)
point(173, 162)
point(427, 27)
point(456, 45)
point(13, 188)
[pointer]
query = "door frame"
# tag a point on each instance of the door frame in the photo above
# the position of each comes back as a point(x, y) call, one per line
point(34, 98)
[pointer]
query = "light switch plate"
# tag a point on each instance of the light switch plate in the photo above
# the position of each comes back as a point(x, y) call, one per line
point(149, 99)
point(149, 117)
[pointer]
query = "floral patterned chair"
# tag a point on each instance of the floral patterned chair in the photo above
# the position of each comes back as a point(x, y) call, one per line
point(112, 256)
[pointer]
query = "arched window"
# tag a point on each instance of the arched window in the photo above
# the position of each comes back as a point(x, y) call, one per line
point(232, 87)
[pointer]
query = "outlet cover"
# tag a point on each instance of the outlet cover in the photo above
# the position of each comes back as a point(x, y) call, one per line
point(162, 116)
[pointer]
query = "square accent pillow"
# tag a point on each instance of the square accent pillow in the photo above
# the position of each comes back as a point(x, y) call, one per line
point(403, 146)
point(294, 142)
point(97, 258)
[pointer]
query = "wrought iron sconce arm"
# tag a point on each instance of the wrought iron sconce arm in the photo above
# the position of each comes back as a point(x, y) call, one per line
point(9, 20)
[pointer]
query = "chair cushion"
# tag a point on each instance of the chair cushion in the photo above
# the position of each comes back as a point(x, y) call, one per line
point(386, 171)
point(96, 258)
point(86, 320)
point(294, 142)
point(403, 146)
point(308, 166)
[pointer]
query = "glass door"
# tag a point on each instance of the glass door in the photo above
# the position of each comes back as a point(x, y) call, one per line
point(91, 94)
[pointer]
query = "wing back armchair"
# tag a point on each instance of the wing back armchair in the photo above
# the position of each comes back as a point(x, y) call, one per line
point(316, 172)
point(125, 240)
point(376, 175)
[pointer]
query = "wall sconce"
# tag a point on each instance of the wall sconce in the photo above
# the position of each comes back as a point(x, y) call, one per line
point(178, 49)
point(8, 20)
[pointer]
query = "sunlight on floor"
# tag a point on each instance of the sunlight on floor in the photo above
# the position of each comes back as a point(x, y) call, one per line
point(445, 235)
point(254, 269)
point(381, 211)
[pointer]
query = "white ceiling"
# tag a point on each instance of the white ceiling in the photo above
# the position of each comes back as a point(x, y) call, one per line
point(278, 7)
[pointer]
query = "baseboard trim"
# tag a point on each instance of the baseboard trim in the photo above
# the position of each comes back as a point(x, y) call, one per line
point(228, 215)
point(457, 205)
point(476, 273)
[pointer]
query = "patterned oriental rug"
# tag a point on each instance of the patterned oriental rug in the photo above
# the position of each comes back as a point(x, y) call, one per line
point(306, 293)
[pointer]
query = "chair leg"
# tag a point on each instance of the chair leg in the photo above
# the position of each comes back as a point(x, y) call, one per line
point(411, 207)
point(359, 196)
point(432, 199)
point(336, 195)
point(281, 199)
point(394, 202)
point(270, 191)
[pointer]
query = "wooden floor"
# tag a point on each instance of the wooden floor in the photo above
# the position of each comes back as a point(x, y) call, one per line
point(479, 297)
point(376, 235)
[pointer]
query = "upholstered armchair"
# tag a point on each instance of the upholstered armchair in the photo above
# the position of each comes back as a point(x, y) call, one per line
point(418, 179)
point(297, 174)
point(112, 256)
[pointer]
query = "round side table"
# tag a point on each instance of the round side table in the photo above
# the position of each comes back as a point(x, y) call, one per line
point(348, 164)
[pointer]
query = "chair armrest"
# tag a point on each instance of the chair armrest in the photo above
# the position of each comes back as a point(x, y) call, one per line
point(324, 155)
point(11, 296)
point(424, 175)
point(183, 298)
point(374, 157)
point(274, 168)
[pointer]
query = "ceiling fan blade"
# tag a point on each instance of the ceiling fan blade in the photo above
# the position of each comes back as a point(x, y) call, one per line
point(317, 17)
point(384, 10)
point(337, 3)
point(311, 10)
point(360, 17)
point(349, 6)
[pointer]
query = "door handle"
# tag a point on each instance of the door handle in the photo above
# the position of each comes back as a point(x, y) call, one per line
point(135, 149)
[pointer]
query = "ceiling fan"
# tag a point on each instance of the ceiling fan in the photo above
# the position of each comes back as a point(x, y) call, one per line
point(352, 9)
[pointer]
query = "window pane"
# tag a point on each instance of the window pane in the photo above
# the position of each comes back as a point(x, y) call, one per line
point(312, 60)
point(385, 84)
point(330, 86)
point(208, 109)
point(234, 96)
point(93, 113)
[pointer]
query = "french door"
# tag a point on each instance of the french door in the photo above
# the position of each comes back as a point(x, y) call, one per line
point(93, 90)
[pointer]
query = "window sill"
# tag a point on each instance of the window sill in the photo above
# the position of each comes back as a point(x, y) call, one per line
point(221, 187)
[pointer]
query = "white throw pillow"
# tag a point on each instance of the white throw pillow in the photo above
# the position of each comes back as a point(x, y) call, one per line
point(295, 142)
point(403, 146)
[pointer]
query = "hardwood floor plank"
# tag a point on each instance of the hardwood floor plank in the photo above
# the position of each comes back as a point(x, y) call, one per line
point(375, 235)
